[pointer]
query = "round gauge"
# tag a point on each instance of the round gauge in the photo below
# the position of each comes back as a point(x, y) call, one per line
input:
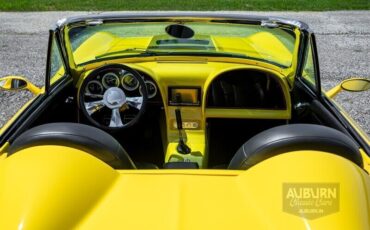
point(152, 89)
point(94, 87)
point(110, 80)
point(129, 82)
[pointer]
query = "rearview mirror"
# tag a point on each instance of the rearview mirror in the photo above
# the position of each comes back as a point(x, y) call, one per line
point(17, 83)
point(351, 85)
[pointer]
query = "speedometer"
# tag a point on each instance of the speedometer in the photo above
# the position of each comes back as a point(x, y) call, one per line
point(129, 82)
point(110, 80)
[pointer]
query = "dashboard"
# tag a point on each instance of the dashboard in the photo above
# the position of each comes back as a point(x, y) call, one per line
point(198, 91)
point(203, 90)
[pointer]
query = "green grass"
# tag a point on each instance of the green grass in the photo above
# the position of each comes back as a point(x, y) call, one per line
point(116, 5)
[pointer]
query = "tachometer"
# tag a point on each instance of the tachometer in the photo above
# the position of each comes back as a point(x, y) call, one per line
point(129, 82)
point(94, 87)
point(152, 89)
point(110, 80)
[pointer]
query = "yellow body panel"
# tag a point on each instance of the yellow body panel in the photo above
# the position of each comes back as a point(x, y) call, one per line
point(50, 187)
point(37, 194)
point(366, 160)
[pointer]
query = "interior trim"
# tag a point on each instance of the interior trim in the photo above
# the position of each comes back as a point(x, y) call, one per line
point(247, 113)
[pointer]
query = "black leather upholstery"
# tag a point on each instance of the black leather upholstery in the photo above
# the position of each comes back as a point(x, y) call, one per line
point(87, 138)
point(293, 137)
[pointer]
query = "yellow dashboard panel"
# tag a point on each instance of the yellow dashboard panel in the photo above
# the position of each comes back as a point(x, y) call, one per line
point(193, 80)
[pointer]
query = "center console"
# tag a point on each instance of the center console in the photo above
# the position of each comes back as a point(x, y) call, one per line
point(185, 130)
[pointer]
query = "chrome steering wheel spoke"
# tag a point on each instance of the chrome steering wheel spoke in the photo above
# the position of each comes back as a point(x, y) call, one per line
point(94, 95)
point(115, 120)
point(92, 107)
point(135, 102)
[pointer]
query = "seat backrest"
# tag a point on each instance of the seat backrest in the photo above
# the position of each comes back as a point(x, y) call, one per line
point(294, 137)
point(87, 138)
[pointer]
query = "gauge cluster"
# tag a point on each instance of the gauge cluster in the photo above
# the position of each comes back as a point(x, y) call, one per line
point(151, 88)
point(110, 79)
point(94, 87)
point(121, 79)
point(129, 82)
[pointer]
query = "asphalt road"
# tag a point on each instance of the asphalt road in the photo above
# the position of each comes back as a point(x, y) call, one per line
point(343, 39)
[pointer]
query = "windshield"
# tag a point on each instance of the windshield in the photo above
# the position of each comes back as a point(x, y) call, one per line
point(112, 40)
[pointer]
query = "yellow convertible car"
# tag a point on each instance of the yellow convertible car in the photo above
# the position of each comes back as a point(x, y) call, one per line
point(183, 121)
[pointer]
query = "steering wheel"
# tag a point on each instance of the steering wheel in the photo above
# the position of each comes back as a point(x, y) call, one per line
point(108, 102)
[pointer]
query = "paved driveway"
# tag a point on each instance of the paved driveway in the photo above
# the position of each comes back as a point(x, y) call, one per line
point(343, 43)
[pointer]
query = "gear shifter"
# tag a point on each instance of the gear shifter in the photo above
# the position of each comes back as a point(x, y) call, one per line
point(181, 147)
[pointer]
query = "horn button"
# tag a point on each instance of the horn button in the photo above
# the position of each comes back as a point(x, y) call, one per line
point(114, 98)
